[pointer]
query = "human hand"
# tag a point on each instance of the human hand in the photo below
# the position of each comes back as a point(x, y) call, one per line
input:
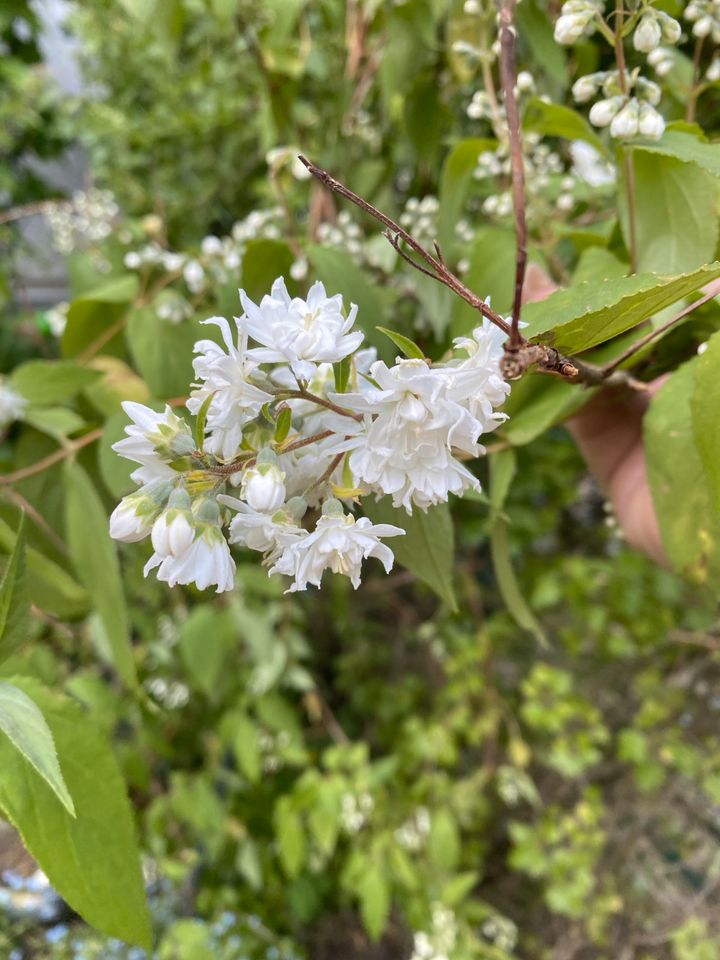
point(608, 432)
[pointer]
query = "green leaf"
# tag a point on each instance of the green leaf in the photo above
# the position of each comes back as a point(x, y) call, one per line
point(704, 404)
point(555, 120)
point(47, 382)
point(685, 147)
point(207, 639)
point(676, 213)
point(597, 263)
point(455, 179)
point(48, 585)
point(457, 889)
point(24, 725)
point(675, 472)
point(57, 422)
point(588, 314)
point(536, 403)
point(115, 470)
point(374, 894)
point(341, 374)
point(501, 471)
point(92, 860)
point(95, 559)
point(163, 352)
point(536, 30)
point(427, 549)
point(290, 837)
point(443, 844)
point(263, 262)
point(490, 274)
point(14, 602)
point(201, 420)
point(97, 314)
point(246, 742)
point(408, 347)
point(283, 424)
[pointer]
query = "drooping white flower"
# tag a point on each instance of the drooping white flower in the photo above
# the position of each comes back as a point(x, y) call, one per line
point(475, 380)
point(206, 561)
point(403, 447)
point(338, 543)
point(133, 518)
point(153, 440)
point(227, 378)
point(12, 404)
point(300, 332)
point(648, 33)
point(264, 532)
point(263, 487)
point(173, 533)
point(585, 88)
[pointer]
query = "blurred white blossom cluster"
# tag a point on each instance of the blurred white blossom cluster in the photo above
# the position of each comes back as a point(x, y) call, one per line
point(629, 100)
point(344, 234)
point(12, 404)
point(86, 219)
point(294, 422)
point(439, 943)
point(705, 18)
point(420, 218)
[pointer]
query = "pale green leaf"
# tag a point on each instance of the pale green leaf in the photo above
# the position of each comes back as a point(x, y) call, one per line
point(246, 742)
point(24, 725)
point(536, 403)
point(290, 837)
point(556, 120)
point(163, 352)
point(688, 148)
point(443, 843)
point(408, 346)
point(375, 902)
point(705, 404)
point(455, 179)
point(588, 314)
point(47, 382)
point(92, 859)
point(95, 559)
point(206, 643)
point(427, 549)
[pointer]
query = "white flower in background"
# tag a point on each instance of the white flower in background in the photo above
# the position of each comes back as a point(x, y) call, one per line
point(263, 487)
point(211, 246)
point(194, 276)
point(705, 17)
point(586, 87)
point(648, 33)
point(12, 404)
point(624, 125)
point(576, 20)
point(56, 318)
point(226, 377)
point(299, 332)
point(153, 440)
point(339, 543)
point(712, 74)
point(589, 165)
point(662, 61)
point(405, 451)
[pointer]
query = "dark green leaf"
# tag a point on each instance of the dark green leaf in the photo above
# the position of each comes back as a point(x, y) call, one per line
point(283, 423)
point(14, 601)
point(454, 182)
point(408, 347)
point(163, 352)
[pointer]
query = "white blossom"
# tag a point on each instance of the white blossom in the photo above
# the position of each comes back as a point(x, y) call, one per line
point(648, 33)
point(264, 532)
point(650, 122)
point(589, 166)
point(194, 276)
point(227, 378)
point(299, 332)
point(603, 112)
point(173, 532)
point(585, 88)
point(129, 524)
point(339, 543)
point(624, 124)
point(475, 380)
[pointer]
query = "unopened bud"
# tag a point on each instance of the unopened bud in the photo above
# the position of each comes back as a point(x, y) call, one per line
point(648, 34)
point(173, 532)
point(624, 125)
point(263, 487)
point(585, 88)
point(671, 29)
point(569, 27)
point(602, 112)
point(650, 122)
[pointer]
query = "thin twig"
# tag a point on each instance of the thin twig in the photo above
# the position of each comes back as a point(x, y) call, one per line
point(31, 209)
point(36, 517)
point(649, 337)
point(440, 271)
point(52, 458)
point(321, 402)
point(507, 74)
point(297, 444)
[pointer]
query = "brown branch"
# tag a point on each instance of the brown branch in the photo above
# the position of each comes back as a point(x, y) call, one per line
point(31, 209)
point(439, 271)
point(36, 517)
point(507, 75)
point(649, 337)
point(321, 402)
point(51, 459)
point(297, 444)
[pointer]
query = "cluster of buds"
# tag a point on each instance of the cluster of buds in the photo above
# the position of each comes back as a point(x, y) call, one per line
point(629, 109)
point(420, 218)
point(344, 234)
point(705, 18)
point(87, 219)
point(655, 27)
point(578, 18)
point(298, 427)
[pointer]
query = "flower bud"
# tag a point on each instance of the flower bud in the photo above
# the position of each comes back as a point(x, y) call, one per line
point(703, 27)
point(648, 90)
point(602, 112)
point(648, 34)
point(263, 487)
point(585, 88)
point(525, 82)
point(624, 125)
point(713, 71)
point(569, 27)
point(173, 532)
point(661, 61)
point(650, 122)
point(129, 525)
point(671, 29)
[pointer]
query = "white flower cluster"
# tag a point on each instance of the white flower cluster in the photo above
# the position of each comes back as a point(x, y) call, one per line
point(629, 114)
point(344, 234)
point(578, 19)
point(705, 18)
point(87, 219)
point(420, 218)
point(301, 420)
point(440, 942)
